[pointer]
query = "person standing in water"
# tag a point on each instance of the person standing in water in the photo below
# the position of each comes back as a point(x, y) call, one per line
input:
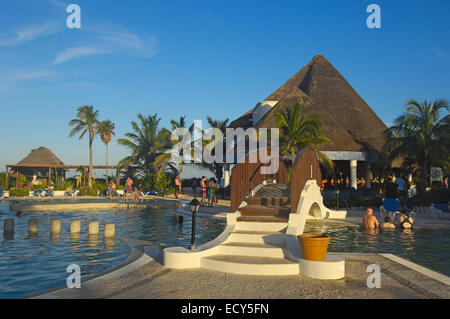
point(369, 220)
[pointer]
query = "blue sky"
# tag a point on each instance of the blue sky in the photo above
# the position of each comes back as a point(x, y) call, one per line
point(199, 58)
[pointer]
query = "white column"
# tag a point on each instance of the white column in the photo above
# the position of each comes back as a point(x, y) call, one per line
point(353, 173)
point(368, 166)
point(226, 175)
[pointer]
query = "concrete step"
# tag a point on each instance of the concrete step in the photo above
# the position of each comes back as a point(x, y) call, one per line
point(254, 224)
point(257, 210)
point(261, 237)
point(269, 201)
point(252, 250)
point(245, 265)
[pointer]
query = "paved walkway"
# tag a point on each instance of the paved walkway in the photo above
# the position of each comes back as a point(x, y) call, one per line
point(154, 281)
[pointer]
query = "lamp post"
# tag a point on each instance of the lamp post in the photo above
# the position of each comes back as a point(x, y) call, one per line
point(337, 197)
point(194, 205)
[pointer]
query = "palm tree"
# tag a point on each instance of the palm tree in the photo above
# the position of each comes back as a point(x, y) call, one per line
point(421, 136)
point(106, 130)
point(298, 131)
point(147, 142)
point(86, 121)
point(165, 159)
point(216, 168)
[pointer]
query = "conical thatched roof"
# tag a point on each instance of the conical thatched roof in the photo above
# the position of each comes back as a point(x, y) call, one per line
point(347, 120)
point(41, 156)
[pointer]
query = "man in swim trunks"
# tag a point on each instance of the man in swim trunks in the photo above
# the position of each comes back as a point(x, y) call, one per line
point(370, 221)
point(129, 188)
point(203, 186)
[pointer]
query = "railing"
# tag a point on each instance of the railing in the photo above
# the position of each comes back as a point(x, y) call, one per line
point(246, 176)
point(306, 167)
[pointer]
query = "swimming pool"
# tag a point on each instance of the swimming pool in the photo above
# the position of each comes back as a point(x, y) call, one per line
point(29, 265)
point(427, 247)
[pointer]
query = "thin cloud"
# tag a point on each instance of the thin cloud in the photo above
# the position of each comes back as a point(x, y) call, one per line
point(30, 75)
point(25, 34)
point(126, 40)
point(73, 53)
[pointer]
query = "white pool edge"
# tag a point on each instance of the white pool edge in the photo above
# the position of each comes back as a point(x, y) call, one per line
point(420, 269)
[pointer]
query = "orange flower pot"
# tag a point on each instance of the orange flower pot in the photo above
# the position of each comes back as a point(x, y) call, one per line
point(314, 247)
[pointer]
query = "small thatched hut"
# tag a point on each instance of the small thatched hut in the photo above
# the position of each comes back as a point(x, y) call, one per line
point(355, 131)
point(40, 162)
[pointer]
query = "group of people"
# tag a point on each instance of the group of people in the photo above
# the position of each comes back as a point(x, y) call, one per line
point(208, 191)
point(371, 222)
point(127, 193)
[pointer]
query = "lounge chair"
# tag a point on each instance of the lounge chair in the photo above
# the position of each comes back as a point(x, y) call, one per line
point(49, 192)
point(38, 193)
point(440, 211)
point(390, 207)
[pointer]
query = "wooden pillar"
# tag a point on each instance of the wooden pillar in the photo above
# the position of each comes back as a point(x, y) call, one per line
point(84, 177)
point(17, 179)
point(7, 178)
point(49, 176)
point(118, 177)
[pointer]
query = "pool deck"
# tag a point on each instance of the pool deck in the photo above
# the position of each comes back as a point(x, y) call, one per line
point(146, 278)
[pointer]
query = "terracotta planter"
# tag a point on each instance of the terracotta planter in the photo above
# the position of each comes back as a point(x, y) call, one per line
point(314, 247)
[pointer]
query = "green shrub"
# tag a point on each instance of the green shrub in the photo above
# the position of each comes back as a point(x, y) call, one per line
point(19, 192)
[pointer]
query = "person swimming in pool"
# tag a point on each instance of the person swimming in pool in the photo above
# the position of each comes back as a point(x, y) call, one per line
point(387, 224)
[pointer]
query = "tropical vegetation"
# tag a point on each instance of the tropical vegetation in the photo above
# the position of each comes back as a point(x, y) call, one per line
point(421, 137)
point(299, 131)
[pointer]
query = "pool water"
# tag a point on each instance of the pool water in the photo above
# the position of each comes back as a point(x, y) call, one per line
point(30, 265)
point(427, 247)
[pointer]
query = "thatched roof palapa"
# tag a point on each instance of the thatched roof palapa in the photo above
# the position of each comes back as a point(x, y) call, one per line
point(347, 120)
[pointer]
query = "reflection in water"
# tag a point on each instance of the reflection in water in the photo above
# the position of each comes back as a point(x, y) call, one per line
point(55, 237)
point(92, 240)
point(109, 244)
point(8, 236)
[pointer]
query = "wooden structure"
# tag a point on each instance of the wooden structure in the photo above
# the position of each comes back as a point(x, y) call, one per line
point(278, 199)
point(246, 176)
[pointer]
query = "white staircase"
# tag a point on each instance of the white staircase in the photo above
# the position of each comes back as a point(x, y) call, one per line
point(254, 248)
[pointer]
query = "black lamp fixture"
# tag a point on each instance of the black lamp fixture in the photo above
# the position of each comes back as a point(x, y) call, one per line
point(194, 205)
